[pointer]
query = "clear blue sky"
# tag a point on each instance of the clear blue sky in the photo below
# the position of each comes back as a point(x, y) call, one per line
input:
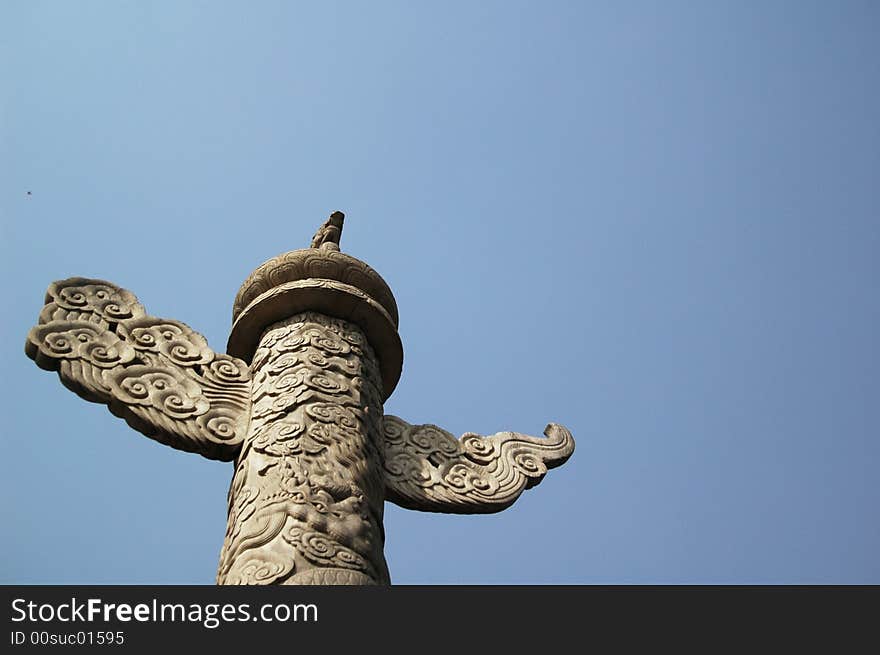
point(655, 222)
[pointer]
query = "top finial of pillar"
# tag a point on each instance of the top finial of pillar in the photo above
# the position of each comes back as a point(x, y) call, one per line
point(328, 235)
point(319, 279)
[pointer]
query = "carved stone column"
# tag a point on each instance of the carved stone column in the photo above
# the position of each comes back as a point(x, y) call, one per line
point(296, 403)
point(306, 500)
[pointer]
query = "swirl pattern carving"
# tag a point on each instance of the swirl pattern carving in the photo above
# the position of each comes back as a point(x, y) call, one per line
point(157, 374)
point(428, 469)
point(308, 490)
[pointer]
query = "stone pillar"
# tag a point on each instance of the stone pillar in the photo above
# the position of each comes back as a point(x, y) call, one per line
point(297, 404)
point(319, 330)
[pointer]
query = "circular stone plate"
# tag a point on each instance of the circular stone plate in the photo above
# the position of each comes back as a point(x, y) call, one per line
point(314, 263)
point(325, 297)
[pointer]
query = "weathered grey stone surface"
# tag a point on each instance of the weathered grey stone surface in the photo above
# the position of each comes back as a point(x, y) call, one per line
point(308, 490)
point(296, 404)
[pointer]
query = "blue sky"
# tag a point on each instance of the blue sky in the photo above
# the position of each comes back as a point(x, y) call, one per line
point(657, 223)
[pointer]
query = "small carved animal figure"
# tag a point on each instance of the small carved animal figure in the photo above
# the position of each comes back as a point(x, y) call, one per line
point(328, 235)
